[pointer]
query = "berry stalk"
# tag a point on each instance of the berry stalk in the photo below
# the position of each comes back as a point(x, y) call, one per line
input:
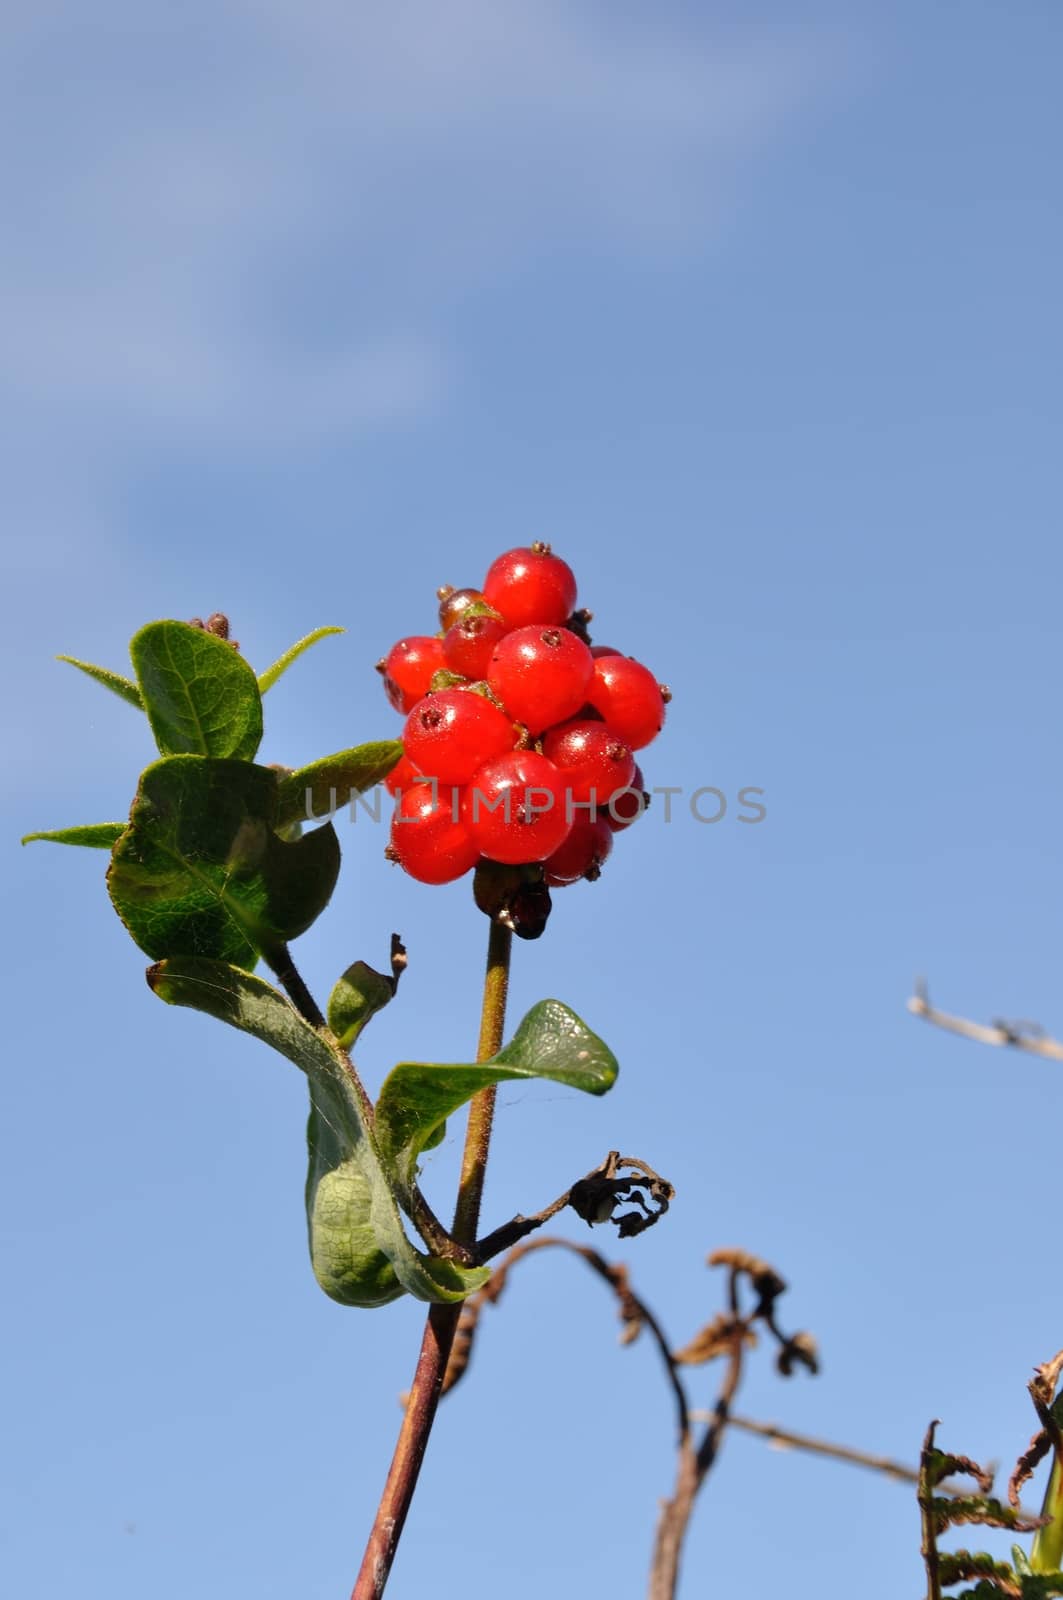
point(482, 1106)
point(442, 1321)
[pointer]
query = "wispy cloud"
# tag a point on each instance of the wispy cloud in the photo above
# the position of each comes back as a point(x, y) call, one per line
point(246, 221)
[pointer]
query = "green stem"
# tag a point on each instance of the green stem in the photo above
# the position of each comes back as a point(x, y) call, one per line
point(1046, 1552)
point(428, 1224)
point(442, 1320)
point(482, 1106)
point(290, 979)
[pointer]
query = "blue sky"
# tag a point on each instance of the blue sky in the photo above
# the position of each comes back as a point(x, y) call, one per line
point(753, 312)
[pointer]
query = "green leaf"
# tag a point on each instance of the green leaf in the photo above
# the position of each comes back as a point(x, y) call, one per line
point(321, 788)
point(200, 869)
point(125, 688)
point(267, 679)
point(1046, 1551)
point(93, 835)
point(417, 1097)
point(201, 696)
point(356, 997)
point(359, 1249)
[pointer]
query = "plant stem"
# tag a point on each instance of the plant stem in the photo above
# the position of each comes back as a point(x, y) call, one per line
point(409, 1453)
point(290, 979)
point(442, 1320)
point(695, 1464)
point(931, 1557)
point(482, 1107)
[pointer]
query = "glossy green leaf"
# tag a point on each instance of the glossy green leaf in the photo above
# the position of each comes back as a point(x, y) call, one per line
point(321, 788)
point(125, 688)
point(92, 835)
point(359, 1249)
point(267, 679)
point(201, 696)
point(200, 869)
point(356, 997)
point(417, 1097)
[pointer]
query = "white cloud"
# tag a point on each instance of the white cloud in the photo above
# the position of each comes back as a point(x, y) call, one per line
point(247, 221)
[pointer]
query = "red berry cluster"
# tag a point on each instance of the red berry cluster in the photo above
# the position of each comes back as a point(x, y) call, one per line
point(520, 737)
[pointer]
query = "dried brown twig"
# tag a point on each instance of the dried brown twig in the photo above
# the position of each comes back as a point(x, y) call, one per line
point(634, 1313)
point(1029, 1036)
point(728, 1335)
point(1042, 1387)
point(787, 1439)
point(696, 1460)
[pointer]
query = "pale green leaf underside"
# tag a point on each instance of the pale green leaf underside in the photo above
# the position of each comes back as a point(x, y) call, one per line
point(267, 679)
point(360, 1252)
point(322, 787)
point(357, 995)
point(417, 1097)
point(125, 688)
point(92, 835)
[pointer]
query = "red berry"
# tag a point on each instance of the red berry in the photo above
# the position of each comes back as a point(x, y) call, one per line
point(401, 776)
point(628, 697)
point(540, 675)
point(451, 733)
point(531, 586)
point(426, 839)
point(514, 808)
point(469, 645)
point(581, 855)
point(408, 670)
point(592, 760)
point(454, 602)
point(627, 805)
point(603, 650)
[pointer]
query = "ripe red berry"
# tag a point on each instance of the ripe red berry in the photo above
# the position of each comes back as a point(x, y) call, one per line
point(627, 805)
point(581, 855)
point(592, 760)
point(514, 808)
point(451, 733)
point(531, 586)
point(540, 675)
point(426, 839)
point(629, 698)
point(401, 776)
point(469, 644)
point(453, 603)
point(408, 669)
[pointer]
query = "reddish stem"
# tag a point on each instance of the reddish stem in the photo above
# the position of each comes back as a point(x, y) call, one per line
point(442, 1320)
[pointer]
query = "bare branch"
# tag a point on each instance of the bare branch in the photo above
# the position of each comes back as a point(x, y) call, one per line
point(786, 1439)
point(634, 1314)
point(727, 1334)
point(1028, 1036)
